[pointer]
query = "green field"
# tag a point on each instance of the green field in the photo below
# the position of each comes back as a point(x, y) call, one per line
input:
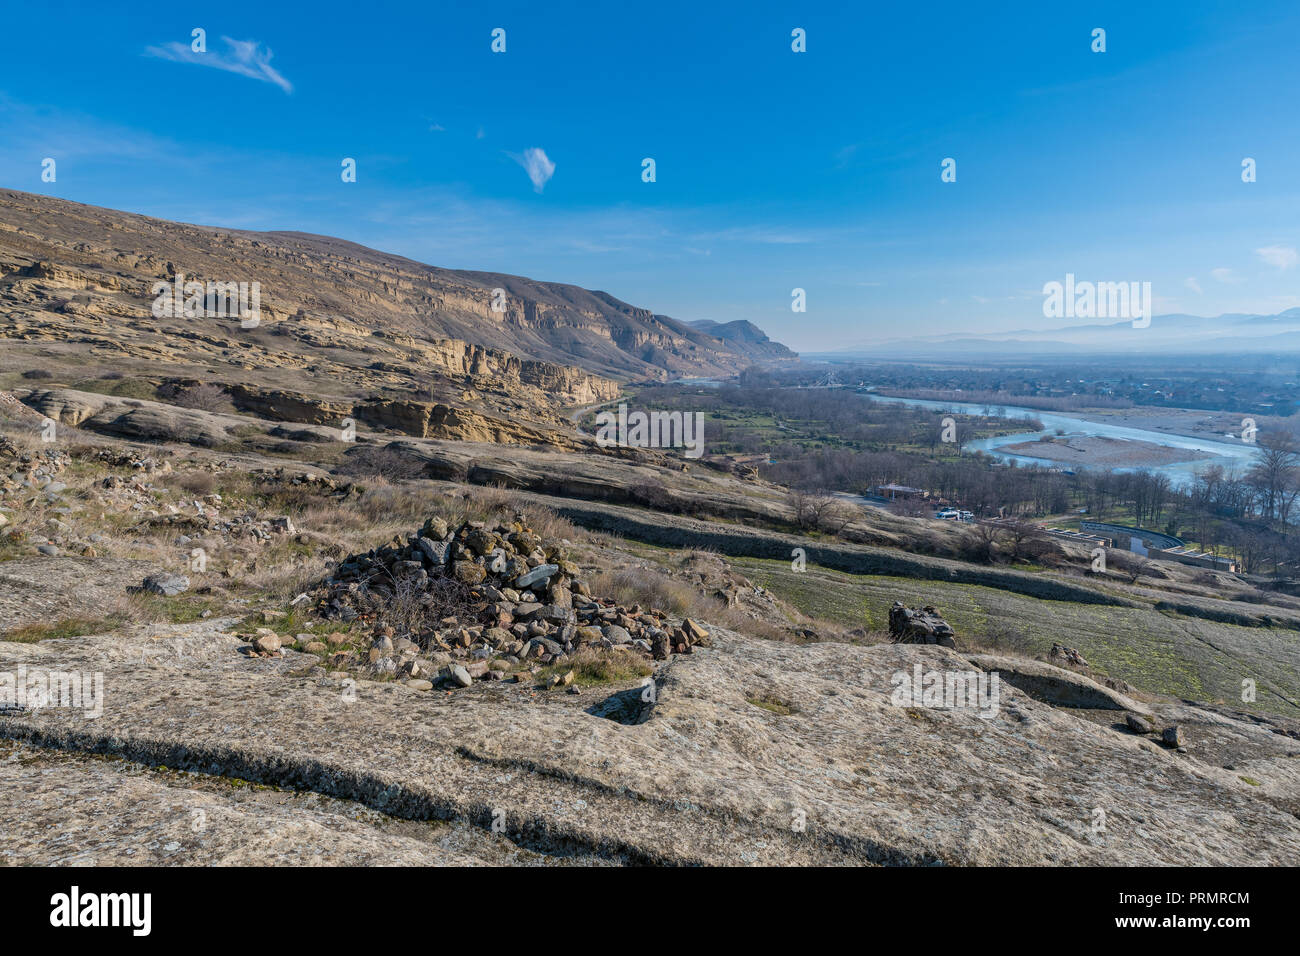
point(1155, 651)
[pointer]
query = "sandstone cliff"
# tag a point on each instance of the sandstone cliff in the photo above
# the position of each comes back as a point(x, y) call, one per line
point(334, 290)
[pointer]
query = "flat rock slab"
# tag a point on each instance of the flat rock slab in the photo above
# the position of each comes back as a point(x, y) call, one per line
point(62, 809)
point(718, 774)
point(49, 589)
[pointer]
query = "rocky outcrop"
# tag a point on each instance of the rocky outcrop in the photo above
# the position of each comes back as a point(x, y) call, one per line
point(325, 290)
point(925, 626)
point(1055, 685)
point(748, 339)
point(126, 418)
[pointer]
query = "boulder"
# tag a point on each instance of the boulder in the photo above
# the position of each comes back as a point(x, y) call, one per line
point(538, 574)
point(925, 626)
point(165, 584)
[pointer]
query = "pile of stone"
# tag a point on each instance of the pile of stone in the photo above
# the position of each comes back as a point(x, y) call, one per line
point(324, 484)
point(207, 519)
point(25, 471)
point(120, 458)
point(484, 602)
point(925, 626)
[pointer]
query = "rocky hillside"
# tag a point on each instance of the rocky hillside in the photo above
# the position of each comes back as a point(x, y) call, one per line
point(327, 294)
point(426, 672)
point(746, 338)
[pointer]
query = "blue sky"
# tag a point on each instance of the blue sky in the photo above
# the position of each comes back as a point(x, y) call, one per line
point(775, 169)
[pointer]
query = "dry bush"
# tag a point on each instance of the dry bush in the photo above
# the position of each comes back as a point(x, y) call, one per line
point(821, 511)
point(380, 461)
point(205, 397)
point(1129, 565)
point(201, 483)
point(412, 609)
point(1001, 637)
point(649, 588)
point(653, 494)
point(982, 545)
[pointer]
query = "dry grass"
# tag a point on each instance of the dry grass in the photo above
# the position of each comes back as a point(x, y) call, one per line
point(595, 666)
point(649, 588)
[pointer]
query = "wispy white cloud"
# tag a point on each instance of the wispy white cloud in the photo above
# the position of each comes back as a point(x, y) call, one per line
point(244, 57)
point(1279, 257)
point(1192, 283)
point(539, 168)
point(1222, 274)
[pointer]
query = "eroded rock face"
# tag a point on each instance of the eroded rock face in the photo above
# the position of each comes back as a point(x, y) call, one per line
point(707, 775)
point(321, 294)
point(1055, 685)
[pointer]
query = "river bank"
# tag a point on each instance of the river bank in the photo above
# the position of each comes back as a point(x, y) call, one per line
point(1194, 453)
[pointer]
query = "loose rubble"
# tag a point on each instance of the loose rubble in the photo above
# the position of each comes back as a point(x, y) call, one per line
point(480, 603)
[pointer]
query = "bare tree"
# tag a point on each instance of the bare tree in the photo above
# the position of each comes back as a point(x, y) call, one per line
point(1132, 566)
point(1274, 474)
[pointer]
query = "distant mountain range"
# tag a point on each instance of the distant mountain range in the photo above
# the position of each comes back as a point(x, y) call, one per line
point(1167, 334)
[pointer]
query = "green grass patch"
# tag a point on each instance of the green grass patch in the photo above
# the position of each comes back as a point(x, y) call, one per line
point(774, 704)
point(66, 627)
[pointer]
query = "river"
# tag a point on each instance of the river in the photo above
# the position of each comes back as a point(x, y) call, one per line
point(1181, 474)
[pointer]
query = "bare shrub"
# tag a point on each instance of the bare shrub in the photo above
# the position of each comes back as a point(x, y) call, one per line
point(200, 483)
point(646, 587)
point(204, 397)
point(371, 461)
point(1132, 566)
point(414, 609)
point(820, 511)
point(1002, 636)
point(653, 494)
point(982, 544)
